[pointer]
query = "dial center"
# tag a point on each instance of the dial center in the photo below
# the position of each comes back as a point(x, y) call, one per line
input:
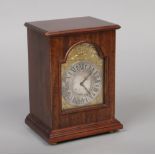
point(79, 85)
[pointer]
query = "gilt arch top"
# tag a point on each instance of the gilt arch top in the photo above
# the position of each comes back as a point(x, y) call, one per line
point(84, 51)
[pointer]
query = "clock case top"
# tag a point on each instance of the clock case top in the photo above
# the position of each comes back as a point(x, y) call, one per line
point(70, 25)
point(48, 43)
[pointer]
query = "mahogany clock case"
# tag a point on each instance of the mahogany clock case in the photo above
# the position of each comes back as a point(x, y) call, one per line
point(48, 43)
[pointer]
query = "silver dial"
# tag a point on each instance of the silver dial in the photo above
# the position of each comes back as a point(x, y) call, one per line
point(81, 83)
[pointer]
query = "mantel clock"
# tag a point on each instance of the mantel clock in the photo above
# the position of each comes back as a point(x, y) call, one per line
point(71, 78)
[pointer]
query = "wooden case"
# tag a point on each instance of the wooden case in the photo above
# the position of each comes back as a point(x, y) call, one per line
point(48, 43)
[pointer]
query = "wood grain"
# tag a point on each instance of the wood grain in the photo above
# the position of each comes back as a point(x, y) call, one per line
point(39, 76)
point(75, 132)
point(70, 25)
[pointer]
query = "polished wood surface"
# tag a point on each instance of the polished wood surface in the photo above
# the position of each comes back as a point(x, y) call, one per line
point(70, 25)
point(39, 76)
point(46, 54)
point(75, 132)
point(106, 42)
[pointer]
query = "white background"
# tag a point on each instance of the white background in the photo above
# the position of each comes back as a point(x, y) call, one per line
point(135, 74)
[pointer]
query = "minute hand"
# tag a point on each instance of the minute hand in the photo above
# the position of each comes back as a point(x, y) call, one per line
point(86, 78)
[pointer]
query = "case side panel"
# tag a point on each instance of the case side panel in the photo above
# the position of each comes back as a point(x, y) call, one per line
point(39, 76)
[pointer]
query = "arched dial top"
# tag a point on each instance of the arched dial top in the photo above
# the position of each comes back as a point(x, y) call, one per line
point(82, 77)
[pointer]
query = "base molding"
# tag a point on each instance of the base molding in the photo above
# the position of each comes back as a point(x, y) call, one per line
point(59, 135)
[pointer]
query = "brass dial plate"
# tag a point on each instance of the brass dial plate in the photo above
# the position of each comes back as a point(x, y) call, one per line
point(82, 77)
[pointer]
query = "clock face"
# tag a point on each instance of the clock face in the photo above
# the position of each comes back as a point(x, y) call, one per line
point(82, 77)
point(81, 83)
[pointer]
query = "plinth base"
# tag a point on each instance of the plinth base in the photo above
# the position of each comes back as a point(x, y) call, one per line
point(75, 132)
